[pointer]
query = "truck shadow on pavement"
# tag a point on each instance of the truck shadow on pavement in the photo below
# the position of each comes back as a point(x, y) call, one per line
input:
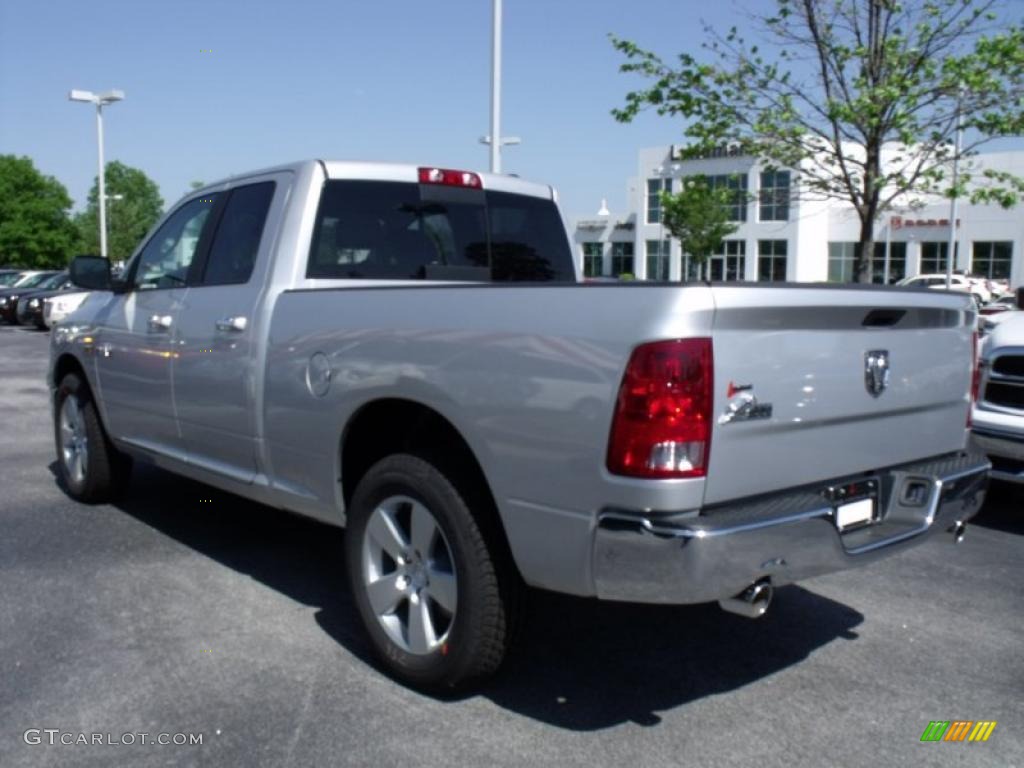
point(578, 664)
point(1003, 510)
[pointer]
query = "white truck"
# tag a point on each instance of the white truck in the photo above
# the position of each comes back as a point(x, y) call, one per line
point(407, 351)
point(999, 412)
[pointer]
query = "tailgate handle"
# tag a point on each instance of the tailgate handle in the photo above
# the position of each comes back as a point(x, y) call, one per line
point(231, 324)
point(159, 323)
point(883, 318)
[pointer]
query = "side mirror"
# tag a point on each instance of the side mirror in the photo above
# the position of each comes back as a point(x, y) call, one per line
point(91, 273)
point(1020, 297)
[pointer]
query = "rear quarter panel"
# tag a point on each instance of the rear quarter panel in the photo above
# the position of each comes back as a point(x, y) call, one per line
point(527, 374)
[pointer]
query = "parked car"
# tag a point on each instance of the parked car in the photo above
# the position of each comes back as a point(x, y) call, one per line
point(57, 308)
point(999, 413)
point(959, 283)
point(29, 306)
point(999, 303)
point(997, 286)
point(15, 276)
point(9, 276)
point(406, 351)
point(9, 296)
point(988, 323)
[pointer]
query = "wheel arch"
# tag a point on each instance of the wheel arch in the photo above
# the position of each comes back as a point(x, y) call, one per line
point(386, 426)
point(68, 363)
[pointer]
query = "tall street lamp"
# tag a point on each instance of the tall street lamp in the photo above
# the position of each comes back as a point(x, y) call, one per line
point(958, 148)
point(495, 139)
point(100, 100)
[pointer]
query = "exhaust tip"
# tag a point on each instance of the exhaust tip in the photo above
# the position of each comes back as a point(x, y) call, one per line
point(752, 602)
point(959, 530)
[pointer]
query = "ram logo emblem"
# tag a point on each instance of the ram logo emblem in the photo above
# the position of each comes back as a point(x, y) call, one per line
point(876, 371)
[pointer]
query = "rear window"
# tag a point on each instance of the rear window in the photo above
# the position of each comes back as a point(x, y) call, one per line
point(401, 231)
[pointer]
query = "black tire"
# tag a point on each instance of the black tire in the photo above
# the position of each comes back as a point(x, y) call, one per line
point(488, 589)
point(105, 470)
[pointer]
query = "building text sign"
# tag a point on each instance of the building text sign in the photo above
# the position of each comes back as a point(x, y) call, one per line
point(898, 222)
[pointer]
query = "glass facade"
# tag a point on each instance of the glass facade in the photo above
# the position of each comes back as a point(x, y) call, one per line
point(842, 257)
point(622, 259)
point(731, 263)
point(841, 262)
point(736, 183)
point(774, 196)
point(593, 258)
point(897, 263)
point(771, 260)
point(654, 189)
point(933, 257)
point(992, 259)
point(657, 259)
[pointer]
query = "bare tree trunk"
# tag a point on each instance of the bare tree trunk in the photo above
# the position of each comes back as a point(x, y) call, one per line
point(862, 262)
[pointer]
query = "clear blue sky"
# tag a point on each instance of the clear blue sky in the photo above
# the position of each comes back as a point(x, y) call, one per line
point(391, 80)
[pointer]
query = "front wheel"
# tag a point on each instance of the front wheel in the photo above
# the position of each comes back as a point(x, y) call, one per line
point(91, 469)
point(433, 597)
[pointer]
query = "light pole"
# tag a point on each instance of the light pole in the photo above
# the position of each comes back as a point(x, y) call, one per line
point(100, 100)
point(495, 139)
point(113, 197)
point(951, 253)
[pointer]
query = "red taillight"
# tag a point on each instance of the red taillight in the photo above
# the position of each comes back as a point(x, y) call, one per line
point(975, 377)
point(449, 178)
point(662, 424)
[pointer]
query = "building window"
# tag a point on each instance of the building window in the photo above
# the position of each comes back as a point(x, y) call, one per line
point(841, 262)
point(657, 259)
point(593, 258)
point(933, 257)
point(771, 260)
point(992, 260)
point(654, 189)
point(774, 196)
point(691, 269)
point(731, 263)
point(736, 183)
point(622, 259)
point(897, 263)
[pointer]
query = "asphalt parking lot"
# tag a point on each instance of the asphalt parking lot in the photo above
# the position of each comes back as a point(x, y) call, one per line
point(185, 610)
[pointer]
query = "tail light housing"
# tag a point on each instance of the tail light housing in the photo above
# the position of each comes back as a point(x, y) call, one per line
point(662, 422)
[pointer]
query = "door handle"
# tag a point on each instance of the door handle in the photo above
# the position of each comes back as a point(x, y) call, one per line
point(160, 322)
point(232, 324)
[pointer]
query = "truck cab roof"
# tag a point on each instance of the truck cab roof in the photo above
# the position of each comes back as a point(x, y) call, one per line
point(375, 171)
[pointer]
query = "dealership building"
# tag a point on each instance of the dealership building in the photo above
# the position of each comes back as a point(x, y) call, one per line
point(784, 235)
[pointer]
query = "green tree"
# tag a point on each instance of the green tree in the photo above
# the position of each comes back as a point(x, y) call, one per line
point(838, 81)
point(698, 215)
point(133, 207)
point(35, 230)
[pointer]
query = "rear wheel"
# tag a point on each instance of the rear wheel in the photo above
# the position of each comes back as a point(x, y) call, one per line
point(434, 598)
point(90, 467)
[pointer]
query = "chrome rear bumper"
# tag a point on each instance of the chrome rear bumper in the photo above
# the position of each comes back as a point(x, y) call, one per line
point(784, 537)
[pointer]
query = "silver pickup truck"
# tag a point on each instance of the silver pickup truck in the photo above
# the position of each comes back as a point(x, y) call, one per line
point(406, 352)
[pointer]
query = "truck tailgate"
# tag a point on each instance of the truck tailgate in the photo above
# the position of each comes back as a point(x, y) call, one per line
point(805, 353)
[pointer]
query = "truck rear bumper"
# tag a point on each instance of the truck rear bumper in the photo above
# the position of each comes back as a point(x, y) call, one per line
point(784, 537)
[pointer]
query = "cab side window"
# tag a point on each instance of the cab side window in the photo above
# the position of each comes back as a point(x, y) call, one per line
point(236, 241)
point(165, 260)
